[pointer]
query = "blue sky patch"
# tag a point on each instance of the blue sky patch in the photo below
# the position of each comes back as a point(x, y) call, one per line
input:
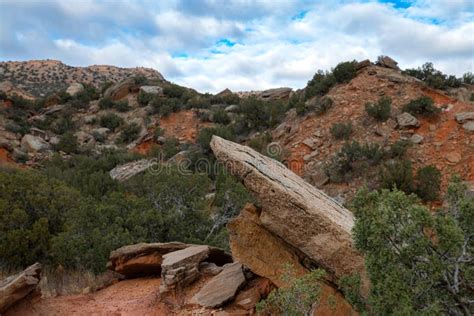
point(398, 4)
point(300, 15)
point(226, 42)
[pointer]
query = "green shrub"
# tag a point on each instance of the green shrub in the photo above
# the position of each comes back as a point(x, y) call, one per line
point(111, 121)
point(129, 133)
point(221, 117)
point(122, 106)
point(174, 91)
point(413, 257)
point(144, 98)
point(199, 102)
point(259, 115)
point(297, 298)
point(399, 149)
point(323, 105)
point(140, 80)
point(345, 71)
point(32, 210)
point(428, 181)
point(68, 143)
point(380, 110)
point(422, 106)
point(472, 97)
point(341, 130)
point(397, 174)
point(158, 132)
point(62, 125)
point(434, 78)
point(320, 84)
point(170, 147)
point(468, 78)
point(106, 103)
point(205, 135)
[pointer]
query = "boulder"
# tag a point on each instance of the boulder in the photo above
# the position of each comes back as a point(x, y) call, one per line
point(181, 268)
point(416, 139)
point(275, 94)
point(74, 89)
point(257, 289)
point(121, 89)
point(31, 143)
point(151, 89)
point(141, 259)
point(468, 126)
point(295, 211)
point(363, 64)
point(222, 288)
point(209, 268)
point(406, 120)
point(387, 62)
point(130, 169)
point(16, 287)
point(232, 108)
point(453, 157)
point(267, 255)
point(463, 117)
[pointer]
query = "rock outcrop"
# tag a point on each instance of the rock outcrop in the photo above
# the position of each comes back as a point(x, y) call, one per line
point(121, 89)
point(151, 89)
point(298, 213)
point(221, 288)
point(387, 62)
point(267, 255)
point(31, 143)
point(16, 287)
point(275, 94)
point(130, 169)
point(181, 268)
point(74, 89)
point(141, 259)
point(406, 120)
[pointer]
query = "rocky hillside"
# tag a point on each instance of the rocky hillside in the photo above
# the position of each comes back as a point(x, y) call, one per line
point(200, 204)
point(42, 77)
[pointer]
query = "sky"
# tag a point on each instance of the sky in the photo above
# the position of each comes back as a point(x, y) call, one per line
point(211, 45)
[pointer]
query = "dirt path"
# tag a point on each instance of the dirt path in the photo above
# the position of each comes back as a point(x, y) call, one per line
point(129, 297)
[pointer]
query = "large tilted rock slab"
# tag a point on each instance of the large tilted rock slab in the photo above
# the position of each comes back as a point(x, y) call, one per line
point(16, 287)
point(126, 171)
point(141, 259)
point(267, 255)
point(222, 288)
point(298, 213)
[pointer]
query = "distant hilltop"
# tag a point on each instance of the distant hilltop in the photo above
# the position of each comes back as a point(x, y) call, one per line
point(41, 77)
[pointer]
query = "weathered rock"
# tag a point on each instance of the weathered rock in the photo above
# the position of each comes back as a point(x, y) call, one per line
point(363, 64)
point(84, 139)
point(257, 289)
point(222, 288)
point(151, 89)
point(16, 287)
point(387, 62)
point(209, 268)
point(275, 94)
point(141, 259)
point(128, 170)
point(181, 268)
point(31, 143)
point(90, 119)
point(267, 255)
point(453, 157)
point(232, 108)
point(19, 155)
point(54, 140)
point(416, 139)
point(463, 117)
point(406, 120)
point(74, 88)
point(260, 250)
point(469, 126)
point(303, 216)
point(121, 89)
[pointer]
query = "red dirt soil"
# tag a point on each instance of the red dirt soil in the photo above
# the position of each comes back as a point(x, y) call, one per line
point(129, 297)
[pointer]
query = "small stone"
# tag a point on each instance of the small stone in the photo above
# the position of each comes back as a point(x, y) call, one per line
point(405, 120)
point(453, 157)
point(469, 126)
point(416, 139)
point(463, 117)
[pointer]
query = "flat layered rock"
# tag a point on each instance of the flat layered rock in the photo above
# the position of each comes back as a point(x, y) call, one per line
point(141, 259)
point(16, 287)
point(298, 213)
point(222, 288)
point(126, 171)
point(181, 268)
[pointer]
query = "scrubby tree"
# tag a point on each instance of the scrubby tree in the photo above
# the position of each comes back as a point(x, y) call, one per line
point(380, 110)
point(418, 263)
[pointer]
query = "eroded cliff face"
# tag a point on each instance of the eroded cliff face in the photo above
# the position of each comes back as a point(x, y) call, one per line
point(304, 217)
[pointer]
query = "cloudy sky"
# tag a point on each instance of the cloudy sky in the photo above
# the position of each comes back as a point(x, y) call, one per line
point(213, 44)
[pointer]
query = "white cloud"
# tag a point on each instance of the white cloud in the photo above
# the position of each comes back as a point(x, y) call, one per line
point(272, 49)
